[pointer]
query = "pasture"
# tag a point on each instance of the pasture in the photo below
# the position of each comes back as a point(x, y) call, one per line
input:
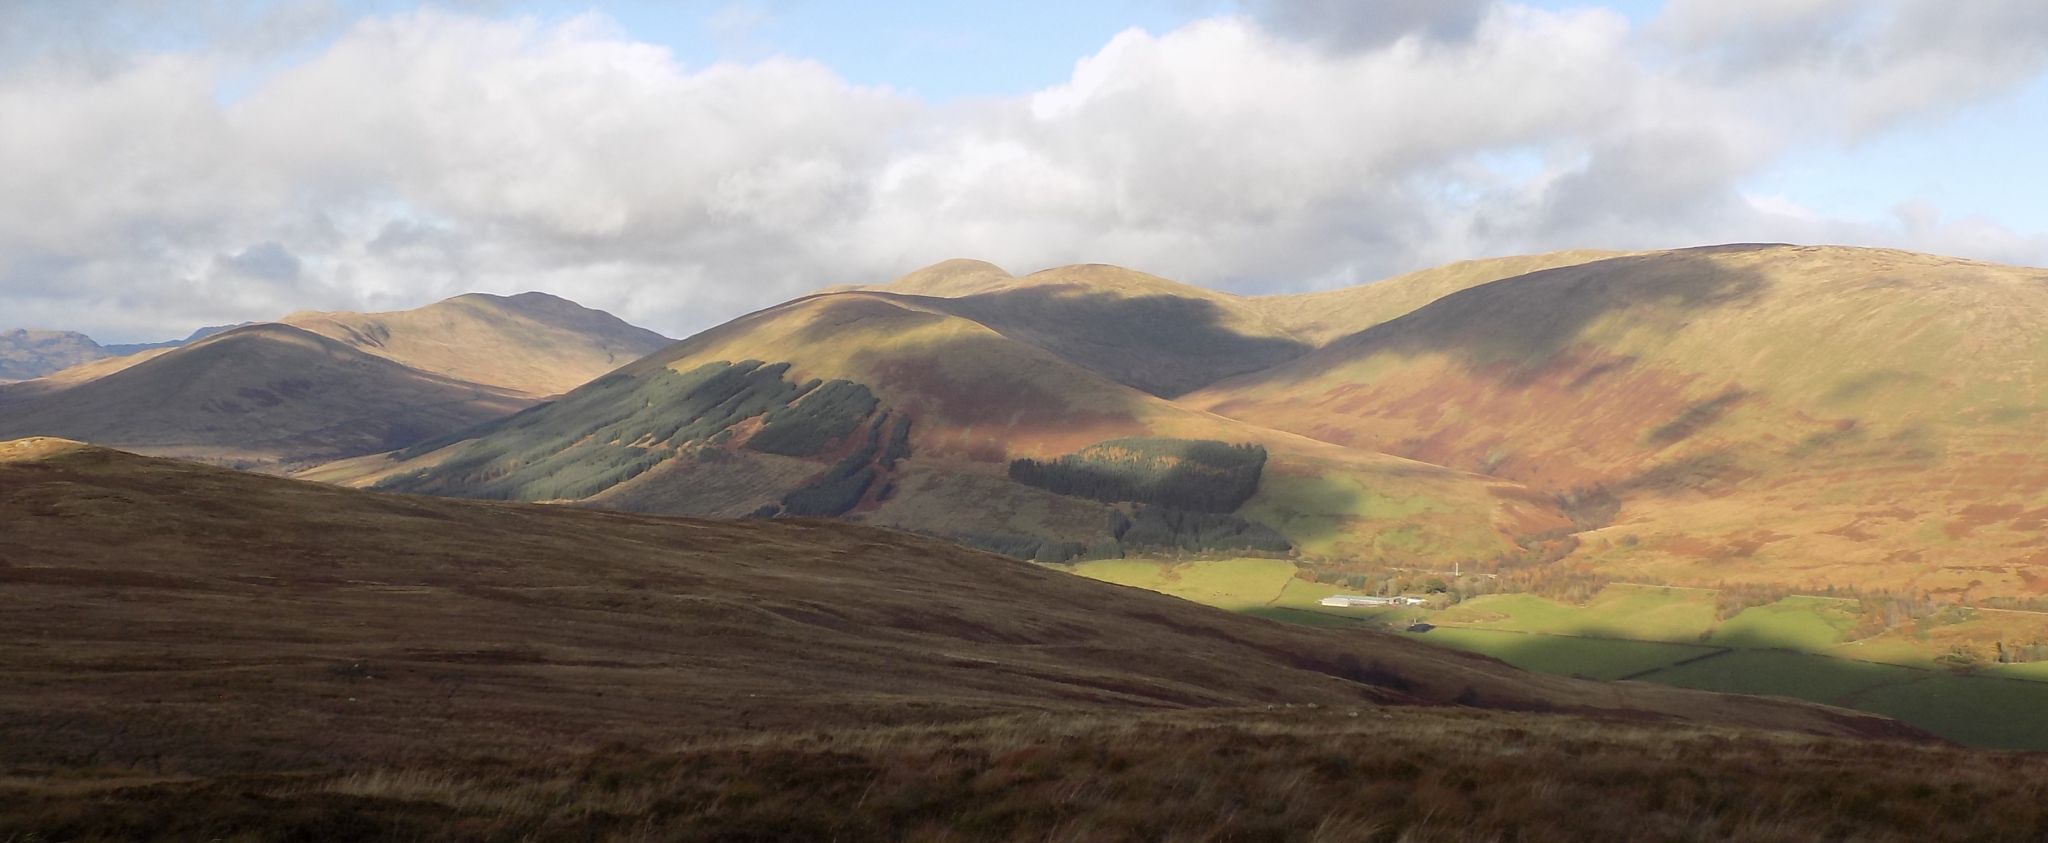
point(1795, 647)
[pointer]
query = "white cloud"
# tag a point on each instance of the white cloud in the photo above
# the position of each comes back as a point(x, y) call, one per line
point(420, 155)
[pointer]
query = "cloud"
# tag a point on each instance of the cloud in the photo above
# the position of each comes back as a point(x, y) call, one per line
point(418, 155)
point(1351, 24)
point(266, 261)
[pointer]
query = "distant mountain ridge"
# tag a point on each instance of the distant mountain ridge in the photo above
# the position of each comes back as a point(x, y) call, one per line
point(316, 387)
point(26, 354)
point(1789, 416)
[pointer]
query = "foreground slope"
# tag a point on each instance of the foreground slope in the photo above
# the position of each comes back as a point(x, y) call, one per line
point(264, 396)
point(1809, 416)
point(894, 410)
point(198, 654)
point(361, 623)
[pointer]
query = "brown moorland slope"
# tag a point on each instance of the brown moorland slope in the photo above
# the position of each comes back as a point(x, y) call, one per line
point(308, 604)
point(266, 396)
point(1806, 416)
point(195, 652)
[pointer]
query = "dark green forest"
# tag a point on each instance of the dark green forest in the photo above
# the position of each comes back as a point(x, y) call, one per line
point(1197, 475)
point(621, 425)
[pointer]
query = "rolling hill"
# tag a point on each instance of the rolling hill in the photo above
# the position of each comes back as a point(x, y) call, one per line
point(1168, 338)
point(1807, 416)
point(263, 396)
point(893, 410)
point(532, 342)
point(194, 652)
point(1143, 331)
point(316, 387)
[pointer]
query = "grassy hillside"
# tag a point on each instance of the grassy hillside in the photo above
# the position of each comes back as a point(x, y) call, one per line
point(966, 403)
point(1799, 415)
point(532, 342)
point(265, 396)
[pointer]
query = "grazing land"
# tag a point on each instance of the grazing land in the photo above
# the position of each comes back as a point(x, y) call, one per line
point(1796, 647)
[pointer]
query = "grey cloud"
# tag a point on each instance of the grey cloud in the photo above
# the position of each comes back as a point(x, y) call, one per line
point(1357, 24)
point(266, 261)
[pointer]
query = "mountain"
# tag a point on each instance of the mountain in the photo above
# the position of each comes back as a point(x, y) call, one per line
point(533, 343)
point(124, 349)
point(339, 385)
point(263, 396)
point(1805, 416)
point(26, 354)
point(894, 410)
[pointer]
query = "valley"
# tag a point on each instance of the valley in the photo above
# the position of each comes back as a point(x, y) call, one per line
point(1945, 673)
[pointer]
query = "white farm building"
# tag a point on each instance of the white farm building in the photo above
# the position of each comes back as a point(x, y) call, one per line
point(1346, 601)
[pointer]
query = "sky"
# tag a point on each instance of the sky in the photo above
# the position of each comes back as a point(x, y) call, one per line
point(170, 164)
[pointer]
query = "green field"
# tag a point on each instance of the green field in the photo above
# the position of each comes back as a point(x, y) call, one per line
point(1234, 584)
point(1592, 658)
point(1642, 613)
point(1795, 647)
point(1782, 674)
point(2035, 671)
point(1974, 710)
point(1807, 624)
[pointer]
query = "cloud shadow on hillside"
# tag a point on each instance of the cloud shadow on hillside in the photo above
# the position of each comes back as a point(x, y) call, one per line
point(1162, 344)
point(1523, 322)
